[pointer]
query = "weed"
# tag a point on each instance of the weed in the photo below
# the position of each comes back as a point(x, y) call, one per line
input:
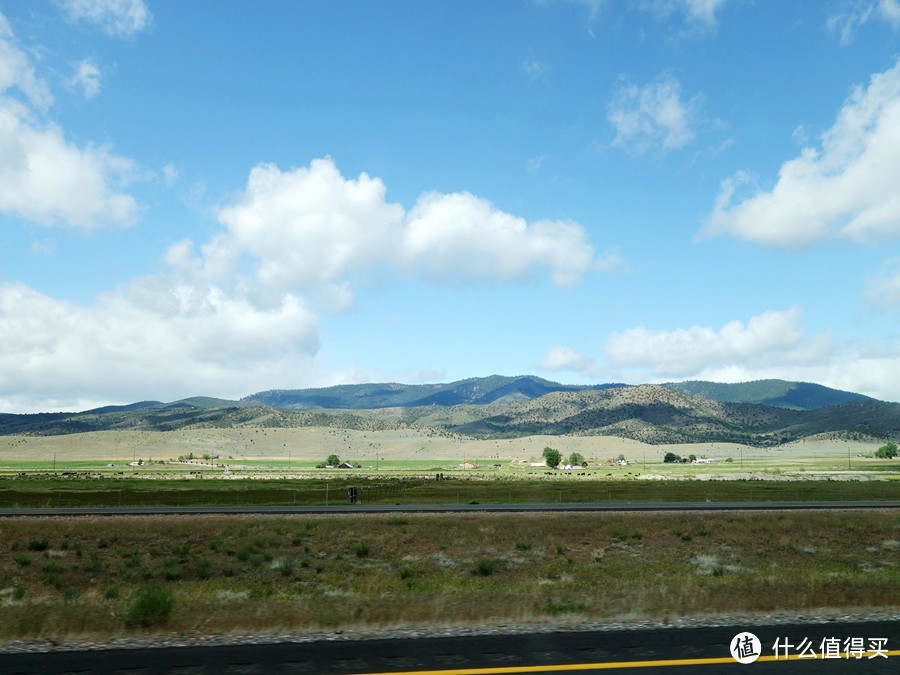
point(111, 593)
point(182, 550)
point(560, 549)
point(38, 545)
point(172, 569)
point(203, 568)
point(92, 564)
point(23, 559)
point(150, 606)
point(484, 568)
point(362, 549)
point(285, 567)
point(523, 545)
point(564, 607)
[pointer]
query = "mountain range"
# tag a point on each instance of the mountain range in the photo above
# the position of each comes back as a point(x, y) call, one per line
point(764, 412)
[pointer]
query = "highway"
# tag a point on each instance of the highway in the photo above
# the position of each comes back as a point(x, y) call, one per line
point(669, 651)
point(448, 508)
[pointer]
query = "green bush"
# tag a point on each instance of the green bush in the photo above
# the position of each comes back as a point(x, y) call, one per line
point(485, 568)
point(150, 606)
point(38, 545)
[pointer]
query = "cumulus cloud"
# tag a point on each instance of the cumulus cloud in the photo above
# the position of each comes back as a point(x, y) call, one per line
point(238, 311)
point(769, 345)
point(652, 117)
point(159, 334)
point(50, 181)
point(561, 358)
point(44, 177)
point(682, 352)
point(310, 228)
point(117, 18)
point(846, 188)
point(854, 15)
point(86, 75)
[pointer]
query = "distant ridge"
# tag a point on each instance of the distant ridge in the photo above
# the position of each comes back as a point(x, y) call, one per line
point(778, 393)
point(476, 390)
point(761, 413)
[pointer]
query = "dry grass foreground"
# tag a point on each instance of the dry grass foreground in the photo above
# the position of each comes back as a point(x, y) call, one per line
point(66, 577)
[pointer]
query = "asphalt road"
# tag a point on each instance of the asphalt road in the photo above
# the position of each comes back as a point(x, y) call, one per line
point(444, 508)
point(662, 651)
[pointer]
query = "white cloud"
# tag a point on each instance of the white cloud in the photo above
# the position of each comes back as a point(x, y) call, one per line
point(652, 117)
point(46, 179)
point(847, 188)
point(16, 70)
point(170, 174)
point(236, 314)
point(460, 237)
point(883, 290)
point(854, 15)
point(700, 14)
point(684, 352)
point(86, 75)
point(534, 69)
point(561, 358)
point(117, 18)
point(158, 335)
point(770, 345)
point(310, 228)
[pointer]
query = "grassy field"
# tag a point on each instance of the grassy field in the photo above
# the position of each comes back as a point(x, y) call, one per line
point(39, 492)
point(116, 576)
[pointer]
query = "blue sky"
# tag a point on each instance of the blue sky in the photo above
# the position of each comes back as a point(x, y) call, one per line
point(219, 197)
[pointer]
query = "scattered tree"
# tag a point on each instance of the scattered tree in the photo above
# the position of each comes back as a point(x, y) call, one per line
point(887, 451)
point(333, 460)
point(575, 458)
point(552, 456)
point(671, 458)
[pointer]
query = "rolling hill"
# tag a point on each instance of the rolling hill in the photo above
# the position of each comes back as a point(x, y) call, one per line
point(504, 407)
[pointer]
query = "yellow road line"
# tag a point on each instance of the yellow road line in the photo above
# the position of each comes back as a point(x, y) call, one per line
point(610, 665)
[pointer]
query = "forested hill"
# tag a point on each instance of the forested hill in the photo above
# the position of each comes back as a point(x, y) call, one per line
point(778, 393)
point(476, 391)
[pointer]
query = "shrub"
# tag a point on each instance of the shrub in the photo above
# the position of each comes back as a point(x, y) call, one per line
point(523, 545)
point(23, 559)
point(150, 606)
point(485, 568)
point(203, 568)
point(361, 550)
point(38, 545)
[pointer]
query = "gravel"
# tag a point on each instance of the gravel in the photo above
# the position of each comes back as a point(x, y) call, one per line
point(396, 633)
